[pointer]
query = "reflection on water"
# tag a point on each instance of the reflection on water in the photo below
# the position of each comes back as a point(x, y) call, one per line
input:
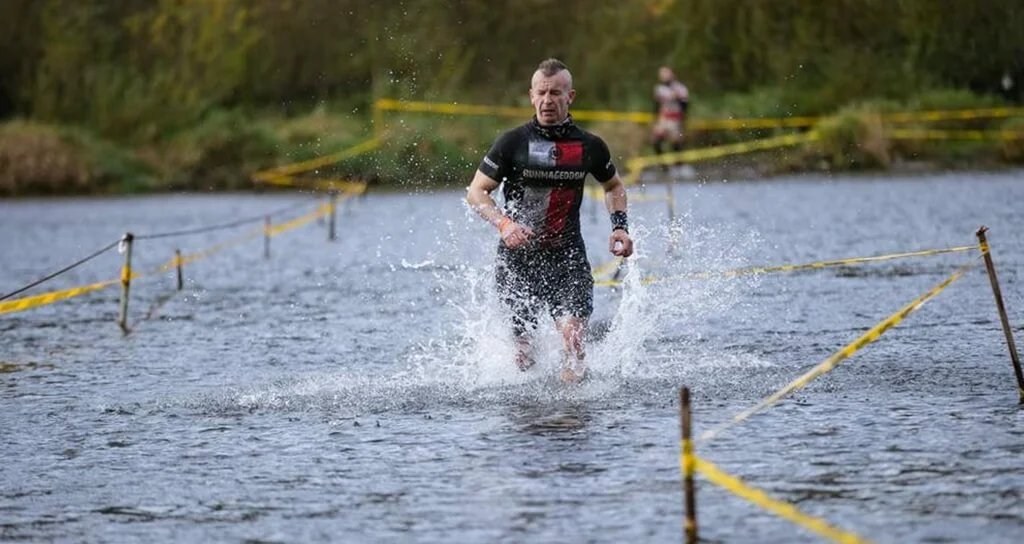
point(550, 421)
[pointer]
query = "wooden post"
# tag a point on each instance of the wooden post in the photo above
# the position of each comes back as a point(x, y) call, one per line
point(670, 200)
point(1007, 331)
point(178, 265)
point(689, 464)
point(670, 197)
point(126, 281)
point(332, 209)
point(266, 237)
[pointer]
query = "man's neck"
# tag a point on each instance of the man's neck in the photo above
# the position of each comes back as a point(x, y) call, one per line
point(555, 124)
point(556, 131)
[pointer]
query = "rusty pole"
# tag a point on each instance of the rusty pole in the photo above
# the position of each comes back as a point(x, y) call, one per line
point(689, 463)
point(1014, 358)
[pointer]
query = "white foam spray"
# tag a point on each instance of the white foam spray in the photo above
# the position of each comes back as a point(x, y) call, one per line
point(655, 332)
point(658, 333)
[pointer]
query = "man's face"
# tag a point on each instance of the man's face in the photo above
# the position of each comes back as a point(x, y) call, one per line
point(551, 96)
point(665, 74)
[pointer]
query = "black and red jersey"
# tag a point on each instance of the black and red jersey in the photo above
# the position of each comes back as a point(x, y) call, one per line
point(542, 170)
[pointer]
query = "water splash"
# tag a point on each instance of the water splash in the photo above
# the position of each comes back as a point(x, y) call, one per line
point(656, 334)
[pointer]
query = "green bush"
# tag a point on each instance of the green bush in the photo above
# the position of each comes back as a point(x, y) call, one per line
point(854, 138)
point(221, 152)
point(433, 152)
point(1013, 149)
point(115, 168)
point(950, 99)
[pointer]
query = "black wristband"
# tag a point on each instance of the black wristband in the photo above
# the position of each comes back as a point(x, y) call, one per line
point(619, 221)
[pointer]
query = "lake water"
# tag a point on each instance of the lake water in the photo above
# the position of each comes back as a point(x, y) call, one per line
point(362, 390)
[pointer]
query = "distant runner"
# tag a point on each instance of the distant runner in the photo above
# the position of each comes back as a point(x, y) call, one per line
point(671, 103)
point(542, 260)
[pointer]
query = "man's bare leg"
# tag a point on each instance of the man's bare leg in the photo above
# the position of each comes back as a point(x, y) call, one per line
point(524, 353)
point(573, 361)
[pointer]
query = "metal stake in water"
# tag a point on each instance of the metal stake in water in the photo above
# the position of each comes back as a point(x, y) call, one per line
point(178, 265)
point(125, 247)
point(332, 210)
point(689, 462)
point(997, 292)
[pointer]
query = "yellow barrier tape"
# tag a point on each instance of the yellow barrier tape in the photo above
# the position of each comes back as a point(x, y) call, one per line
point(948, 115)
point(688, 461)
point(447, 108)
point(241, 239)
point(750, 123)
point(902, 117)
point(298, 222)
point(607, 267)
point(43, 299)
point(637, 164)
point(387, 104)
point(928, 134)
point(796, 267)
point(596, 193)
point(853, 347)
point(638, 117)
point(357, 187)
point(274, 230)
point(688, 464)
point(838, 262)
point(782, 509)
point(313, 164)
point(212, 250)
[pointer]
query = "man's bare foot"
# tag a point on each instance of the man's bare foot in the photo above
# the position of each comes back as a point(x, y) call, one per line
point(572, 376)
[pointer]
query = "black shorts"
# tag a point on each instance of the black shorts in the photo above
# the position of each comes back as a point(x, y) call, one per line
point(530, 278)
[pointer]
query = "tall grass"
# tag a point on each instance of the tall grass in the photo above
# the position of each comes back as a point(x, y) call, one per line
point(224, 147)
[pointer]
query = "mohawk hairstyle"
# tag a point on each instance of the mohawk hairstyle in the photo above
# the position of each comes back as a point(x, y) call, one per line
point(550, 67)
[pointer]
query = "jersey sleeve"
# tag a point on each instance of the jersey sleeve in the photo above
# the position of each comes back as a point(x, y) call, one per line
point(682, 93)
point(497, 163)
point(601, 165)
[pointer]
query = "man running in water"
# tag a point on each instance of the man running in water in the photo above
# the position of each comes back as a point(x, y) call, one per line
point(542, 260)
point(671, 102)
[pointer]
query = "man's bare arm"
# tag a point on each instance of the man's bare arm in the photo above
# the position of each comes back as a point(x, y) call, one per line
point(615, 194)
point(479, 198)
point(619, 243)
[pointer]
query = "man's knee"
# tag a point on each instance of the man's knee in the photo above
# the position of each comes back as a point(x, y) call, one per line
point(573, 329)
point(574, 309)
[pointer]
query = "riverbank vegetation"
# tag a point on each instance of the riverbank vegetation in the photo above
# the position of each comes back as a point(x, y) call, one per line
point(102, 96)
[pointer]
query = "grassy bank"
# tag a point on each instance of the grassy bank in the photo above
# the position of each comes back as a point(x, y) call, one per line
point(221, 151)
